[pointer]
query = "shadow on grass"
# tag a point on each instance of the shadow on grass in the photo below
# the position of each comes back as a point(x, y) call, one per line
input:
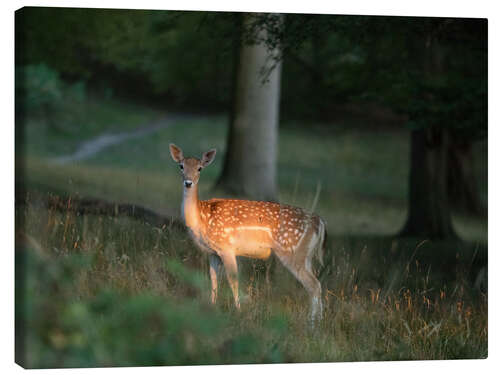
point(390, 262)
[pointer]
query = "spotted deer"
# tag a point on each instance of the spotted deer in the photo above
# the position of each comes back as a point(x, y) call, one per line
point(227, 228)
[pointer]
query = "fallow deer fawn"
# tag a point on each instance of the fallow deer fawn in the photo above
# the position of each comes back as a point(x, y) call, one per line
point(227, 228)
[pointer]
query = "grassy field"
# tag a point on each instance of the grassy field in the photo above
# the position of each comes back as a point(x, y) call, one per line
point(363, 175)
point(129, 293)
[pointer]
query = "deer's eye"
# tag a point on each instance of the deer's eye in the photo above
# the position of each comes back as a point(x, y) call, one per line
point(181, 166)
point(199, 169)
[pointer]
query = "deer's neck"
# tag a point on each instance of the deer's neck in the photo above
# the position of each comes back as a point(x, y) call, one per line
point(191, 209)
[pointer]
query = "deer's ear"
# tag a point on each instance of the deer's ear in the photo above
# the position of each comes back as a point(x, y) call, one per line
point(176, 153)
point(208, 157)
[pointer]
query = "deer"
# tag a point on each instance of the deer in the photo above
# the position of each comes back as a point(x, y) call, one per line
point(229, 228)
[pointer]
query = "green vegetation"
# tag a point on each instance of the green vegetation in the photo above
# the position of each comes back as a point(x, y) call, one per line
point(111, 291)
point(55, 117)
point(128, 293)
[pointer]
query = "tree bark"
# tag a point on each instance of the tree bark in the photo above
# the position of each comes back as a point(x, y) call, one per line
point(429, 213)
point(250, 162)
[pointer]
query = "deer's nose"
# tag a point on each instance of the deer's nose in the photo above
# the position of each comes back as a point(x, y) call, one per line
point(188, 183)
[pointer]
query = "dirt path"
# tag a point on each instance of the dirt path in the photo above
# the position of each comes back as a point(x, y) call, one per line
point(93, 146)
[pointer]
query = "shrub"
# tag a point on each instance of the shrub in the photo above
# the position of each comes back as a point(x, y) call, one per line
point(40, 92)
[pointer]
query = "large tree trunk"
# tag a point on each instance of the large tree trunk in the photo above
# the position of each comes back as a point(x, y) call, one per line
point(250, 163)
point(429, 213)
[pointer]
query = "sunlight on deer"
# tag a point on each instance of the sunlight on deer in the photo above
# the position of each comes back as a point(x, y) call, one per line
point(227, 228)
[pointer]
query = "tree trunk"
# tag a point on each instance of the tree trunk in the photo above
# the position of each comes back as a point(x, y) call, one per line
point(429, 210)
point(250, 162)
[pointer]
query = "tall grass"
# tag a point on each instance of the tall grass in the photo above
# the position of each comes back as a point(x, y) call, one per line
point(111, 291)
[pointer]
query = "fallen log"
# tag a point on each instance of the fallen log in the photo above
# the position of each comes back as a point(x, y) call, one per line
point(96, 206)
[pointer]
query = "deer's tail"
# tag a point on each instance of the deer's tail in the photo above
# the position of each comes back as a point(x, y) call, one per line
point(322, 241)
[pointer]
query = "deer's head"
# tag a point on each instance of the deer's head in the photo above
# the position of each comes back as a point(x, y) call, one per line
point(191, 167)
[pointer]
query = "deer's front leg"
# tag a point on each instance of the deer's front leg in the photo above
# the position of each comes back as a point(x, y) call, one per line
point(231, 267)
point(215, 265)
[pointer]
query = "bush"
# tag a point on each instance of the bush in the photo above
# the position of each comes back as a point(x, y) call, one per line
point(40, 92)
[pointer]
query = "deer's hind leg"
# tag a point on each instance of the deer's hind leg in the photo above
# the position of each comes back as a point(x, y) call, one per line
point(299, 263)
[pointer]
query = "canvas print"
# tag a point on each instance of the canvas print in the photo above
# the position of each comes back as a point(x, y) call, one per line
point(210, 188)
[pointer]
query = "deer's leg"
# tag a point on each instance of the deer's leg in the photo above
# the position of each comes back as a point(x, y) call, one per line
point(299, 265)
point(215, 266)
point(313, 287)
point(270, 266)
point(231, 267)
